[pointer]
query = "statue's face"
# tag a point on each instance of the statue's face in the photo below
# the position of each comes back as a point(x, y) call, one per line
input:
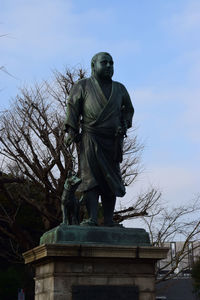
point(103, 66)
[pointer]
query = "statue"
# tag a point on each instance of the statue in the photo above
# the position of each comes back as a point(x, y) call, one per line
point(99, 112)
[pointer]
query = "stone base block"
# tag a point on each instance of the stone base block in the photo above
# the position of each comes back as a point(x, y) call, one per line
point(74, 272)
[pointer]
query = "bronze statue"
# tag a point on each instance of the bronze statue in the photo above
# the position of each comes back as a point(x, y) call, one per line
point(99, 112)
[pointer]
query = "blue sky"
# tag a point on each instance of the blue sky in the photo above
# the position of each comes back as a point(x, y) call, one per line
point(156, 49)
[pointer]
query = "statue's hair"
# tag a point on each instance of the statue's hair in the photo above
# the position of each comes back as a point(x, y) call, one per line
point(94, 58)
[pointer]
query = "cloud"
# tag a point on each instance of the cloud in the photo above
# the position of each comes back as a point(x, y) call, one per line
point(177, 109)
point(177, 183)
point(169, 117)
point(174, 177)
point(186, 20)
point(190, 118)
point(48, 34)
point(42, 26)
point(46, 31)
point(47, 27)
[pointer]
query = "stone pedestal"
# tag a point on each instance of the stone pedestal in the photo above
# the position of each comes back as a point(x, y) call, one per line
point(74, 272)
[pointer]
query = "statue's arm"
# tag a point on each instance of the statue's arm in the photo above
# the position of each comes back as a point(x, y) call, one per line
point(73, 113)
point(127, 108)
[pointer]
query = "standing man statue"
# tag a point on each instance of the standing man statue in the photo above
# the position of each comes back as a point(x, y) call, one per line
point(99, 112)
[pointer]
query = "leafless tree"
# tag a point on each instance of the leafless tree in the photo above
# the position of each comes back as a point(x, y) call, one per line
point(168, 224)
point(35, 163)
point(142, 205)
point(33, 153)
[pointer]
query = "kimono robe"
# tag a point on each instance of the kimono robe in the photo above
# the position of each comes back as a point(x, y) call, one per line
point(100, 118)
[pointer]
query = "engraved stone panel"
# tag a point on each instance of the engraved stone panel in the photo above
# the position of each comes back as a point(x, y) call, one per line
point(102, 292)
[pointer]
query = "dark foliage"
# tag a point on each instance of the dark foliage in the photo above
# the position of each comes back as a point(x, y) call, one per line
point(196, 278)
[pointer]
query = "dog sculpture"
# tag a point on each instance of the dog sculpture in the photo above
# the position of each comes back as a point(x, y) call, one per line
point(69, 203)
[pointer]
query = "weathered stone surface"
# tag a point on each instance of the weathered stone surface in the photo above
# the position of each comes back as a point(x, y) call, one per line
point(124, 253)
point(60, 267)
point(72, 234)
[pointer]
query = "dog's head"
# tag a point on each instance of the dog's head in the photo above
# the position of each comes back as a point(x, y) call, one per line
point(72, 182)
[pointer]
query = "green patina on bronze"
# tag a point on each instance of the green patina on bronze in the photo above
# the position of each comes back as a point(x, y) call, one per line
point(65, 234)
point(99, 112)
point(106, 112)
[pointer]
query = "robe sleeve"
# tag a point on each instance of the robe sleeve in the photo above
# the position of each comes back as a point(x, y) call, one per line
point(74, 108)
point(128, 109)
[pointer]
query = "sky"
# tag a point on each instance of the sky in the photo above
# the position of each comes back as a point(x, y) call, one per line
point(156, 50)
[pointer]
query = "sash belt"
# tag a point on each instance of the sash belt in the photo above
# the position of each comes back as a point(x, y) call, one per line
point(102, 132)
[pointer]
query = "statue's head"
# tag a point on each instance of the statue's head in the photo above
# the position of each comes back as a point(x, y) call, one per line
point(102, 65)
